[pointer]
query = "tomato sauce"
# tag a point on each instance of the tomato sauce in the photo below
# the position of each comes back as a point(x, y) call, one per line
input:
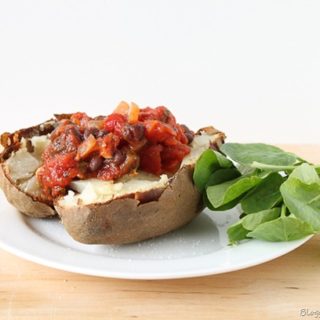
point(108, 147)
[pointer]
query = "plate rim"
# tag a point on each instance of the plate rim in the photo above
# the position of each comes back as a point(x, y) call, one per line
point(42, 259)
point(137, 276)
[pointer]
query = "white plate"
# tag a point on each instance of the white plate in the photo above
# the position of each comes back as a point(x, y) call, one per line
point(197, 249)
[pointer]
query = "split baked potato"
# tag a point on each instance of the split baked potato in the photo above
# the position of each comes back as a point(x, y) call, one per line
point(135, 206)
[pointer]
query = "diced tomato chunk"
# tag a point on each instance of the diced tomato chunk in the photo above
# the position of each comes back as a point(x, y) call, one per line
point(172, 156)
point(59, 171)
point(114, 123)
point(150, 159)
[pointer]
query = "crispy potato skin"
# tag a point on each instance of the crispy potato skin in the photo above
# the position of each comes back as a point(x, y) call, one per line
point(127, 220)
point(19, 199)
point(22, 201)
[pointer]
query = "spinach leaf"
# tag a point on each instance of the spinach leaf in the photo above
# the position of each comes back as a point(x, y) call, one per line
point(228, 205)
point(245, 169)
point(222, 160)
point(208, 162)
point(262, 178)
point(224, 193)
point(282, 229)
point(237, 232)
point(265, 196)
point(305, 173)
point(303, 200)
point(252, 221)
point(258, 153)
point(240, 229)
point(220, 176)
point(223, 175)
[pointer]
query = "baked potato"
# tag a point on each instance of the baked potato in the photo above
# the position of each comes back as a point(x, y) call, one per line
point(141, 201)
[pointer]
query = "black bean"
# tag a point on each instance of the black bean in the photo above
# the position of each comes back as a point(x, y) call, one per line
point(95, 163)
point(133, 132)
point(119, 157)
point(188, 133)
point(93, 131)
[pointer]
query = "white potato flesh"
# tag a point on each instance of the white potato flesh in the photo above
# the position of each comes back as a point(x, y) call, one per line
point(98, 191)
point(22, 165)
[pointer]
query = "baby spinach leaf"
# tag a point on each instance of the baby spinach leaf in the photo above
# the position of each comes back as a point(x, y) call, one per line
point(206, 202)
point(208, 162)
point(228, 205)
point(258, 153)
point(225, 192)
point(222, 160)
point(265, 196)
point(303, 200)
point(305, 173)
point(263, 177)
point(245, 169)
point(237, 232)
point(252, 221)
point(222, 175)
point(240, 229)
point(282, 229)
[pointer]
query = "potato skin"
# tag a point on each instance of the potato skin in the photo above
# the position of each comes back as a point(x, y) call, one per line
point(123, 221)
point(19, 199)
point(22, 201)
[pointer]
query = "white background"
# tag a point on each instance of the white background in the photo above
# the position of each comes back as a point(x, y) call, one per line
point(251, 68)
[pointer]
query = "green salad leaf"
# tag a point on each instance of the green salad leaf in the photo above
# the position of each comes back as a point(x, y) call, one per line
point(225, 192)
point(303, 200)
point(265, 196)
point(279, 192)
point(282, 229)
point(252, 221)
point(237, 232)
point(259, 155)
point(208, 162)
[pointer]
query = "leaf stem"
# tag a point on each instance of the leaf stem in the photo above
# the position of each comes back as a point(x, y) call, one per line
point(283, 211)
point(264, 166)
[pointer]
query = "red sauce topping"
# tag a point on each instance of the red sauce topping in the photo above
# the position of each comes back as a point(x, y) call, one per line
point(109, 147)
